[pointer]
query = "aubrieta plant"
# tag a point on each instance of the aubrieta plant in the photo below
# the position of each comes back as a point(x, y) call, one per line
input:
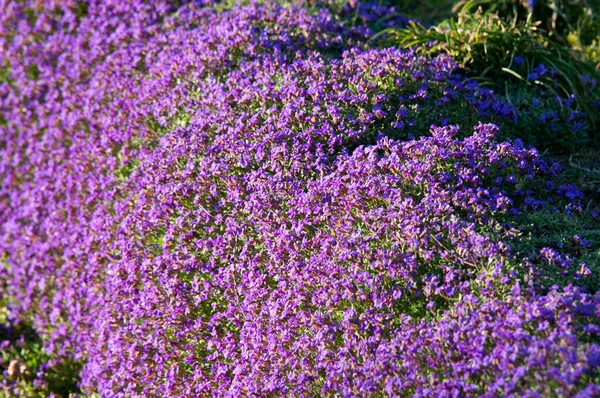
point(204, 199)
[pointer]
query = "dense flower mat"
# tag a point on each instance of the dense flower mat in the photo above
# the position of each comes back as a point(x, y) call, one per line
point(203, 201)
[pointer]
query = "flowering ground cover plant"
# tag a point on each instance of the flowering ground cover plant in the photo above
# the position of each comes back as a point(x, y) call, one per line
point(207, 199)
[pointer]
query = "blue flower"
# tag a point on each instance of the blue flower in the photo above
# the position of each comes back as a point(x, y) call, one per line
point(519, 60)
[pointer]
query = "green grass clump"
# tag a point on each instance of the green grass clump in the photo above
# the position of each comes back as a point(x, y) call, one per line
point(486, 46)
point(517, 58)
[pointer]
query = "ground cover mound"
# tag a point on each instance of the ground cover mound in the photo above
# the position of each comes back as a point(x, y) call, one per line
point(199, 199)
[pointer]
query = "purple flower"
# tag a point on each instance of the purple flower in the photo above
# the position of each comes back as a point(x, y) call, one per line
point(207, 202)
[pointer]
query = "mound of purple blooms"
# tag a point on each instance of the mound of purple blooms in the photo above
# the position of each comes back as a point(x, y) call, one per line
point(197, 201)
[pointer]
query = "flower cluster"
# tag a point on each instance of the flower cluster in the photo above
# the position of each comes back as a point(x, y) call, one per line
point(299, 275)
point(197, 201)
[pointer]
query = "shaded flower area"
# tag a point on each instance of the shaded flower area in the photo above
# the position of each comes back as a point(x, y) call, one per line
point(203, 200)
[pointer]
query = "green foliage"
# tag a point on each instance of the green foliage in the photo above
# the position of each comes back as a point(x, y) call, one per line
point(476, 41)
point(30, 371)
point(486, 45)
point(557, 17)
point(582, 169)
point(5, 73)
point(561, 231)
point(517, 58)
point(427, 12)
point(545, 121)
point(573, 233)
point(587, 49)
